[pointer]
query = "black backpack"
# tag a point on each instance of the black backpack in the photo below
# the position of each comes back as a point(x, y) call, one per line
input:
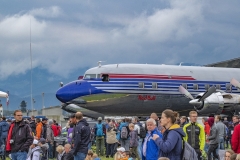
point(142, 133)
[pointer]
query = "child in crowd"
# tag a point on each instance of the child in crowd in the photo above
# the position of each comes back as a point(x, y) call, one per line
point(89, 155)
point(119, 153)
point(126, 156)
point(95, 157)
point(44, 147)
point(60, 150)
point(163, 158)
point(133, 140)
point(35, 151)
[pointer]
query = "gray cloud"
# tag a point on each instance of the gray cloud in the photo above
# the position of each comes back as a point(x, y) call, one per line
point(64, 40)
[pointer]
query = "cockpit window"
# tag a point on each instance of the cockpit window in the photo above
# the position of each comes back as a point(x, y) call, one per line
point(89, 76)
point(105, 78)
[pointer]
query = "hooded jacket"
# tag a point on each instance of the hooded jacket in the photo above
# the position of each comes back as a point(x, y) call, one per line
point(236, 139)
point(22, 136)
point(81, 137)
point(150, 148)
point(171, 143)
point(35, 154)
point(214, 135)
point(50, 135)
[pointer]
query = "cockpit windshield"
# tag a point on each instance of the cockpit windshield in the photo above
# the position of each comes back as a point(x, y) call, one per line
point(90, 76)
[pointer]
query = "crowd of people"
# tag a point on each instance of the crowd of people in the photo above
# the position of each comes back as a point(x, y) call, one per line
point(168, 137)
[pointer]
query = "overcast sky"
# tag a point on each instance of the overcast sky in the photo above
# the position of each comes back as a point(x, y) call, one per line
point(70, 35)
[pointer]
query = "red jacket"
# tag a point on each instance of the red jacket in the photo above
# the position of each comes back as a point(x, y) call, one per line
point(207, 128)
point(236, 139)
point(55, 130)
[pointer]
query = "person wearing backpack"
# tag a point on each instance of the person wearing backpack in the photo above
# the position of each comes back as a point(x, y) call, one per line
point(4, 127)
point(99, 132)
point(141, 133)
point(171, 145)
point(124, 134)
point(35, 151)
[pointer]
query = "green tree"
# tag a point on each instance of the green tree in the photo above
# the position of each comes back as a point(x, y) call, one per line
point(23, 106)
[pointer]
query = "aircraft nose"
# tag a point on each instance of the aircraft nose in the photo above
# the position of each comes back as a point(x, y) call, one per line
point(63, 95)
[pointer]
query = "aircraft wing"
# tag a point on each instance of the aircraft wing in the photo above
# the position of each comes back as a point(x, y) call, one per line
point(3, 94)
point(232, 63)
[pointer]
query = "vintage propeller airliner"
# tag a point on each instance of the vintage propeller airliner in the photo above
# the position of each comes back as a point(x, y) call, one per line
point(140, 89)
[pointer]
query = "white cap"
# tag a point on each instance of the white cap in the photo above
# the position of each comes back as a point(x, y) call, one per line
point(35, 141)
point(121, 149)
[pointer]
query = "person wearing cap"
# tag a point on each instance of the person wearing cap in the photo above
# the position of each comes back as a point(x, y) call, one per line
point(100, 131)
point(19, 137)
point(35, 151)
point(119, 153)
point(44, 147)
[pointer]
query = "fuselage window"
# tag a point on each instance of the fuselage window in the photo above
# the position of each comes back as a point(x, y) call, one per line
point(154, 85)
point(218, 86)
point(89, 76)
point(141, 85)
point(105, 78)
point(195, 86)
point(228, 87)
point(98, 75)
point(184, 85)
point(206, 86)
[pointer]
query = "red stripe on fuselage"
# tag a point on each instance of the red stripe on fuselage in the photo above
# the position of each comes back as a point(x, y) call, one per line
point(148, 76)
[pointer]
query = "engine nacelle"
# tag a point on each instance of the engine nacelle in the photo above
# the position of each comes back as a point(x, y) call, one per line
point(213, 104)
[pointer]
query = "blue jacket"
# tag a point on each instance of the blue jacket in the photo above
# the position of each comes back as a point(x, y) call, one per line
point(4, 127)
point(152, 150)
point(81, 137)
point(171, 143)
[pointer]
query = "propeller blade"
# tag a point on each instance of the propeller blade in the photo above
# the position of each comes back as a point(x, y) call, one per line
point(210, 91)
point(185, 92)
point(235, 83)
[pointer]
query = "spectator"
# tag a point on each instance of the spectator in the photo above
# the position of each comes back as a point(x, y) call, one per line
point(111, 140)
point(163, 158)
point(119, 153)
point(141, 134)
point(73, 121)
point(54, 128)
point(39, 128)
point(150, 149)
point(70, 132)
point(33, 125)
point(226, 140)
point(50, 139)
point(228, 154)
point(44, 147)
point(238, 157)
point(155, 117)
point(59, 129)
point(92, 139)
point(134, 140)
point(195, 134)
point(89, 155)
point(171, 143)
point(213, 139)
point(183, 121)
point(221, 131)
point(81, 138)
point(125, 155)
point(44, 128)
point(67, 154)
point(4, 127)
point(95, 157)
point(231, 127)
point(60, 151)
point(124, 134)
point(35, 151)
point(99, 132)
point(19, 137)
point(236, 139)
point(233, 156)
point(207, 133)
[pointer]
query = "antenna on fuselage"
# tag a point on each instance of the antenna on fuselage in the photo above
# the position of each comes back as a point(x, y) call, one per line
point(181, 64)
point(99, 63)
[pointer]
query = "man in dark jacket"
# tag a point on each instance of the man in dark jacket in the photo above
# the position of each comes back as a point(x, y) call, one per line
point(81, 137)
point(33, 124)
point(19, 137)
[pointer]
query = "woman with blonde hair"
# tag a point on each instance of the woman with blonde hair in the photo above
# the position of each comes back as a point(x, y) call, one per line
point(228, 154)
